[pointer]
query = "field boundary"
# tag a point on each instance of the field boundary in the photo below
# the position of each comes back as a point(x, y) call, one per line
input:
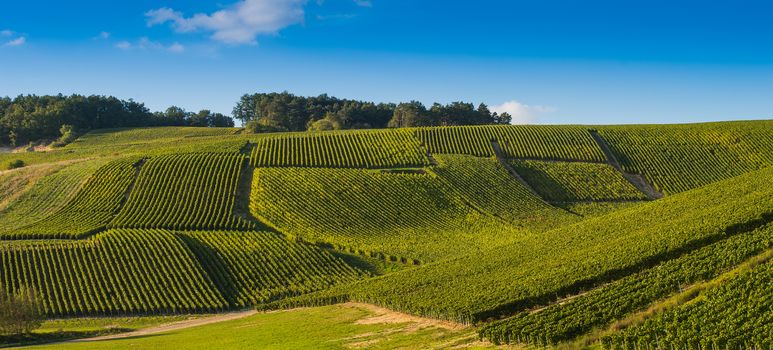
point(635, 179)
point(502, 160)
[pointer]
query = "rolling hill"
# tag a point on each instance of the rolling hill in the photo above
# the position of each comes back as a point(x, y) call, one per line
point(620, 236)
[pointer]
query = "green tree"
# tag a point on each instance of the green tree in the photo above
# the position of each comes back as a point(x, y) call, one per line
point(409, 114)
point(19, 311)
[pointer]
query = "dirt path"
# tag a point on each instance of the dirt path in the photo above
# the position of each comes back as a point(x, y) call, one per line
point(172, 326)
point(385, 316)
point(635, 179)
point(501, 158)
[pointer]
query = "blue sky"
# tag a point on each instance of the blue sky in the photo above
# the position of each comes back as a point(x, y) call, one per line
point(545, 61)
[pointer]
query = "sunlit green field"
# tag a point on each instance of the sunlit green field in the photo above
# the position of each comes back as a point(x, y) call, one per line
point(346, 326)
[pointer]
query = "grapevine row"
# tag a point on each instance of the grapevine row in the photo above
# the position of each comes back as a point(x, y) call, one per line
point(574, 181)
point(252, 268)
point(734, 315)
point(677, 158)
point(487, 185)
point(394, 215)
point(539, 269)
point(516, 141)
point(91, 208)
point(599, 308)
point(363, 149)
point(115, 272)
point(188, 191)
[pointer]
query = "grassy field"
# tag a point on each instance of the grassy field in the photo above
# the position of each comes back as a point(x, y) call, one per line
point(347, 326)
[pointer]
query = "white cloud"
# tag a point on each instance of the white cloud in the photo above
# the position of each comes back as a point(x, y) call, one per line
point(364, 3)
point(239, 23)
point(123, 45)
point(103, 35)
point(16, 42)
point(176, 48)
point(6, 32)
point(522, 113)
point(145, 43)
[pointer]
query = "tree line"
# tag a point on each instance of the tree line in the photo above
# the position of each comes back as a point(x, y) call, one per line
point(287, 112)
point(32, 118)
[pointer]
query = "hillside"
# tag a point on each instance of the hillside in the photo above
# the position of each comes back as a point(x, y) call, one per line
point(538, 235)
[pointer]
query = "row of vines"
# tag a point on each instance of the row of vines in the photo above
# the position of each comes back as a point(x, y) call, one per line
point(539, 269)
point(677, 158)
point(734, 315)
point(186, 192)
point(398, 216)
point(516, 141)
point(91, 209)
point(252, 268)
point(363, 149)
point(601, 307)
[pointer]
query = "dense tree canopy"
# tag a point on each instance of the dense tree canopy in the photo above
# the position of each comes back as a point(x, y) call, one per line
point(287, 112)
point(31, 118)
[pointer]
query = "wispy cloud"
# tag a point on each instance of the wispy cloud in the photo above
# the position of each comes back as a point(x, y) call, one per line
point(237, 24)
point(364, 3)
point(522, 113)
point(16, 42)
point(339, 16)
point(103, 35)
point(176, 48)
point(145, 43)
point(20, 39)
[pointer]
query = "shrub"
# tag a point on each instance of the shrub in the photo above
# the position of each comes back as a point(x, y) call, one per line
point(19, 313)
point(15, 164)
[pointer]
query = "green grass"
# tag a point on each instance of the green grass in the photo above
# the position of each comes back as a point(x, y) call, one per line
point(57, 330)
point(331, 327)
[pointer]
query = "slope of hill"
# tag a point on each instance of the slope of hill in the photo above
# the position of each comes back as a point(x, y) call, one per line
point(481, 225)
point(564, 261)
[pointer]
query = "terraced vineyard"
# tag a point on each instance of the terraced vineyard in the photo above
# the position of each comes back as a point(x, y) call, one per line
point(676, 158)
point(118, 271)
point(576, 182)
point(400, 216)
point(91, 209)
point(528, 235)
point(487, 185)
point(366, 149)
point(185, 192)
point(516, 141)
point(539, 269)
point(724, 324)
point(251, 268)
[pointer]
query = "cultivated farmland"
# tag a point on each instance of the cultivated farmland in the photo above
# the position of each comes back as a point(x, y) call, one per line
point(531, 235)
